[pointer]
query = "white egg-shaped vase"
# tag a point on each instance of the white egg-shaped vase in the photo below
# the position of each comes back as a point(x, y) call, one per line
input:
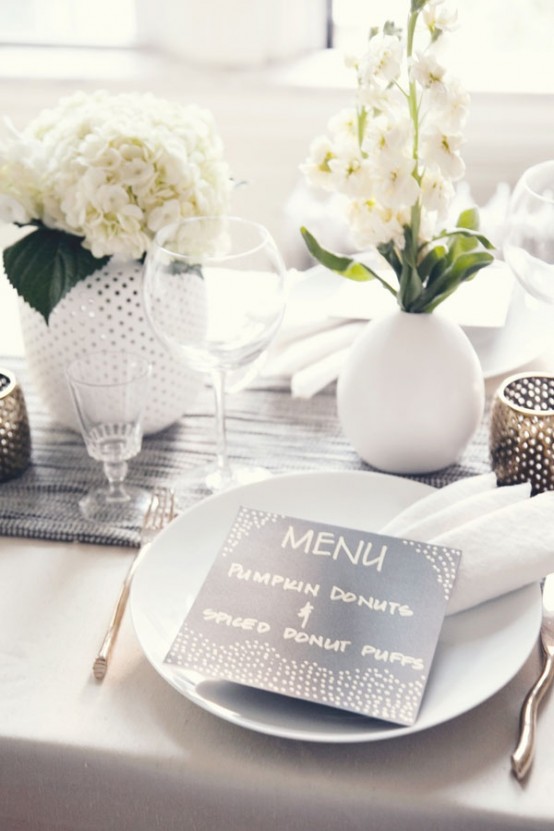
point(411, 393)
point(105, 311)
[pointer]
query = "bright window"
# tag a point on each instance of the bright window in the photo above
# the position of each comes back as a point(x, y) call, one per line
point(498, 46)
point(68, 22)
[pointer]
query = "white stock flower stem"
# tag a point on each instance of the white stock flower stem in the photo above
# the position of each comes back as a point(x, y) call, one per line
point(414, 114)
point(397, 167)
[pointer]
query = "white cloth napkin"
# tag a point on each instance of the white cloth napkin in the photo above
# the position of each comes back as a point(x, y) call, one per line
point(312, 343)
point(313, 361)
point(506, 536)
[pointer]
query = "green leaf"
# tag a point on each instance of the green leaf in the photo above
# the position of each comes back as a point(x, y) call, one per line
point(345, 266)
point(389, 253)
point(335, 262)
point(46, 264)
point(433, 263)
point(390, 28)
point(469, 219)
point(465, 232)
point(468, 264)
point(461, 244)
point(411, 285)
point(362, 121)
point(453, 286)
point(464, 268)
point(411, 288)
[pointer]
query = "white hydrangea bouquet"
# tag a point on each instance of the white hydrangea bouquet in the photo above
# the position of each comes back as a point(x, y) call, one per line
point(394, 158)
point(98, 175)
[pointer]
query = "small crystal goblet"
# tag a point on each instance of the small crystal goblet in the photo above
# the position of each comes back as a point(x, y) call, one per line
point(109, 390)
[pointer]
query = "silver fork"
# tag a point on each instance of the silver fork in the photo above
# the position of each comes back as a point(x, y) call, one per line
point(159, 514)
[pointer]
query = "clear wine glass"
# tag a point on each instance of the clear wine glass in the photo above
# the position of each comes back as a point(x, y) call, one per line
point(529, 238)
point(109, 390)
point(214, 290)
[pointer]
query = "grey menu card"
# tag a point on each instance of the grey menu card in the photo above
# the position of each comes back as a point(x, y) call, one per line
point(332, 615)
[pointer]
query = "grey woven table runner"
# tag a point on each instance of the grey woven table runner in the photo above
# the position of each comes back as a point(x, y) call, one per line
point(265, 426)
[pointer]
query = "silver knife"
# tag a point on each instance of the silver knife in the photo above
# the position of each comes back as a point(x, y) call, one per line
point(522, 757)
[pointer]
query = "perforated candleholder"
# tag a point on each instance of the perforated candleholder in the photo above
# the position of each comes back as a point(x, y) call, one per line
point(15, 436)
point(522, 431)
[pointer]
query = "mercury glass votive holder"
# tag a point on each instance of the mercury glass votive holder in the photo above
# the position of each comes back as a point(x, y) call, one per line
point(15, 435)
point(522, 431)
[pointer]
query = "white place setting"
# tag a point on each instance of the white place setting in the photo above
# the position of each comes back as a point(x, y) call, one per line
point(276, 539)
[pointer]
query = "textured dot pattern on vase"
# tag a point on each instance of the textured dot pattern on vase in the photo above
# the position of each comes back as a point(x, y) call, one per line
point(522, 432)
point(374, 691)
point(15, 436)
point(106, 311)
point(443, 561)
point(532, 392)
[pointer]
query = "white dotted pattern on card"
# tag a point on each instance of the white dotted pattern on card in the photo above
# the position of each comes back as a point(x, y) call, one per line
point(246, 521)
point(443, 562)
point(376, 692)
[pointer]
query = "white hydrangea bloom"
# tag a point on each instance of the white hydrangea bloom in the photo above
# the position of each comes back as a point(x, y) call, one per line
point(12, 210)
point(19, 185)
point(113, 169)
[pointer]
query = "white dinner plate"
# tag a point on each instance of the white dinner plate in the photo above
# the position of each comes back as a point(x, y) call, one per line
point(479, 650)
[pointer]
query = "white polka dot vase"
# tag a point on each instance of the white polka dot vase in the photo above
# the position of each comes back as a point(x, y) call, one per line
point(411, 393)
point(105, 311)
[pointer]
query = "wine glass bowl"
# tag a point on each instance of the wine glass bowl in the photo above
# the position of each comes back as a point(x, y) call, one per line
point(529, 238)
point(214, 294)
point(109, 390)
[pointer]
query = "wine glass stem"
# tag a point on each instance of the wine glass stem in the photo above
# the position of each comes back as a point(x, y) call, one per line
point(115, 474)
point(222, 461)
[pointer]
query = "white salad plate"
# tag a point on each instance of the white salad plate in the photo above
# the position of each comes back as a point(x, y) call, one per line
point(479, 650)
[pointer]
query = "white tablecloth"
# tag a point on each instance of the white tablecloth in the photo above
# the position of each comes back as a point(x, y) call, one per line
point(131, 752)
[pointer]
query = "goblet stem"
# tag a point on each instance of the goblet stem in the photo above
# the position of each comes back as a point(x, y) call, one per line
point(222, 461)
point(115, 474)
